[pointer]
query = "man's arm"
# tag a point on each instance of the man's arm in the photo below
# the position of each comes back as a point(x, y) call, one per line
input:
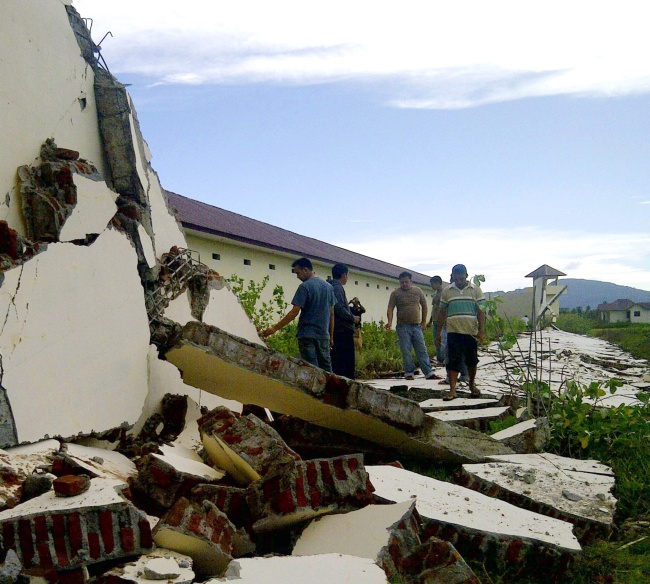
point(481, 325)
point(389, 312)
point(442, 321)
point(423, 304)
point(331, 326)
point(295, 310)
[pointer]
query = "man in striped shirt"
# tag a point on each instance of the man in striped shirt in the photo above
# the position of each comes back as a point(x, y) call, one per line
point(462, 312)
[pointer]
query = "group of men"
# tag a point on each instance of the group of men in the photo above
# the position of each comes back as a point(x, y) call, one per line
point(326, 324)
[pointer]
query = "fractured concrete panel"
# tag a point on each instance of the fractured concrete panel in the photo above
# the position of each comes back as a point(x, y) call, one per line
point(321, 569)
point(478, 525)
point(75, 333)
point(579, 491)
point(94, 209)
point(228, 366)
point(363, 533)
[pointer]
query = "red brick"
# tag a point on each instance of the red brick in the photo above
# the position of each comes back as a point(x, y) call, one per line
point(285, 502)
point(513, 552)
point(300, 491)
point(58, 536)
point(128, 540)
point(312, 474)
point(221, 500)
point(326, 472)
point(353, 464)
point(74, 533)
point(71, 485)
point(106, 529)
point(315, 499)
point(194, 524)
point(339, 471)
point(93, 545)
point(159, 475)
point(77, 576)
point(25, 539)
point(8, 536)
point(271, 487)
point(44, 555)
point(146, 539)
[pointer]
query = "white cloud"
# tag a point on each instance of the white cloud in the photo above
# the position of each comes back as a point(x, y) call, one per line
point(429, 54)
point(505, 256)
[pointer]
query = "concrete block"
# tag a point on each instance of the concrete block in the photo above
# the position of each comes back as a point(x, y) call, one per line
point(244, 446)
point(211, 359)
point(321, 569)
point(478, 419)
point(200, 531)
point(478, 526)
point(162, 479)
point(577, 491)
point(437, 562)
point(527, 437)
point(71, 532)
point(160, 564)
point(307, 490)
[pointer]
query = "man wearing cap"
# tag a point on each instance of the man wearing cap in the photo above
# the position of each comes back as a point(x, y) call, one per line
point(462, 311)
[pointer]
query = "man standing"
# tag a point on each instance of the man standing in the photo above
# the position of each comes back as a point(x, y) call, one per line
point(437, 287)
point(462, 312)
point(411, 320)
point(314, 301)
point(344, 321)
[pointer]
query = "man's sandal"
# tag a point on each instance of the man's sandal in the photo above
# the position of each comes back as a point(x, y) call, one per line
point(475, 394)
point(448, 397)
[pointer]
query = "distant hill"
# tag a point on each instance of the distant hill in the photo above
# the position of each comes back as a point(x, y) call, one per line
point(591, 293)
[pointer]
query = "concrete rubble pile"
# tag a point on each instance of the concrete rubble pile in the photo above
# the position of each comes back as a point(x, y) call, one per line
point(183, 447)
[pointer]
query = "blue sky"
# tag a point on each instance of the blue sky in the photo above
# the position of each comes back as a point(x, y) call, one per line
point(503, 135)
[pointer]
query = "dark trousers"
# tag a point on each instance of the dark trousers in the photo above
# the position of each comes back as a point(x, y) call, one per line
point(343, 353)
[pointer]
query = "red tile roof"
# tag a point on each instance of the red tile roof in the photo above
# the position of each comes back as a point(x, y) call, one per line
point(209, 219)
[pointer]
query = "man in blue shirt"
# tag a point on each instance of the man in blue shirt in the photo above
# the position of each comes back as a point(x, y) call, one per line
point(314, 300)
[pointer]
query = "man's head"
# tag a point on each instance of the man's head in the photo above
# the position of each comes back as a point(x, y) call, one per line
point(459, 275)
point(405, 280)
point(340, 273)
point(303, 269)
point(436, 283)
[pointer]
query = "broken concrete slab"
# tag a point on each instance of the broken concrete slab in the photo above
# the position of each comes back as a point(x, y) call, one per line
point(60, 319)
point(480, 527)
point(211, 359)
point(70, 532)
point(244, 446)
point(94, 209)
point(577, 491)
point(363, 533)
point(98, 462)
point(321, 569)
point(162, 479)
point(160, 564)
point(307, 490)
point(526, 437)
point(477, 420)
point(437, 562)
point(200, 531)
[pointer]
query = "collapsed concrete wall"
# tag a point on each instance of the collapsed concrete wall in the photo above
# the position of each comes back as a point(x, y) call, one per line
point(84, 224)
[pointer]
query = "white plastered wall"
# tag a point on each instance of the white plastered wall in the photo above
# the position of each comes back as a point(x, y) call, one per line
point(74, 336)
point(75, 339)
point(41, 57)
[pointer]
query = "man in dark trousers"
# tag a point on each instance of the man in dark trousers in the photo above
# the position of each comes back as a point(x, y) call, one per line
point(314, 301)
point(344, 321)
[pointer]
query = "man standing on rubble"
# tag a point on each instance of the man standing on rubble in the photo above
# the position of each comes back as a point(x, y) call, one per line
point(344, 321)
point(314, 300)
point(462, 312)
point(411, 320)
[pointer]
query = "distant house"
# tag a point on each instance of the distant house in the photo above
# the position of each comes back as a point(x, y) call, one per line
point(232, 244)
point(624, 311)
